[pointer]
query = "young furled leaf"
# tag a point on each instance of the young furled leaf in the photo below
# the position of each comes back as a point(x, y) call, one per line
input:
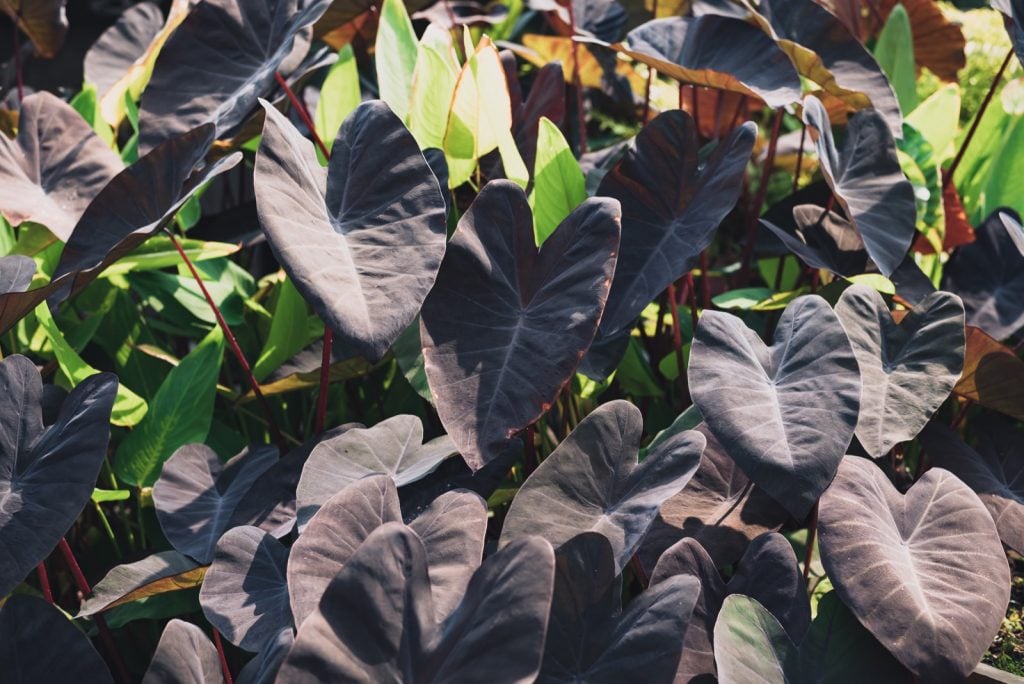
point(362, 239)
point(47, 474)
point(506, 324)
point(937, 552)
point(867, 181)
point(376, 620)
point(592, 482)
point(785, 413)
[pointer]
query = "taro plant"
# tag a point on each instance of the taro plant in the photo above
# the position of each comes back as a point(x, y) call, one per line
point(544, 341)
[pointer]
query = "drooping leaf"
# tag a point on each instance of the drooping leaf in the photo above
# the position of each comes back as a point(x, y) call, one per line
point(184, 656)
point(937, 552)
point(592, 482)
point(768, 572)
point(161, 573)
point(988, 274)
point(823, 239)
point(395, 54)
point(994, 471)
point(45, 22)
point(591, 639)
point(506, 324)
point(362, 240)
point(54, 168)
point(720, 508)
point(785, 413)
point(688, 49)
point(867, 181)
point(894, 51)
point(180, 413)
point(671, 207)
point(394, 447)
point(47, 474)
point(451, 528)
point(558, 185)
point(196, 495)
point(245, 594)
point(376, 619)
point(907, 370)
point(219, 61)
point(993, 375)
point(39, 644)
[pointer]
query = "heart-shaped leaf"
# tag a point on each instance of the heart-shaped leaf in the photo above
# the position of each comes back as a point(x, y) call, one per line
point(219, 61)
point(906, 370)
point(720, 508)
point(751, 646)
point(591, 639)
point(937, 552)
point(785, 413)
point(362, 239)
point(671, 206)
point(767, 572)
point(689, 49)
point(245, 594)
point(376, 619)
point(451, 528)
point(196, 495)
point(183, 656)
point(46, 474)
point(160, 573)
point(989, 275)
point(393, 447)
point(592, 482)
point(506, 324)
point(823, 239)
point(995, 471)
point(39, 644)
point(867, 181)
point(50, 173)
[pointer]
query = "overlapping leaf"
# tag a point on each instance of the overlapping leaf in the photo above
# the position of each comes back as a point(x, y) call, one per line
point(45, 22)
point(506, 324)
point(785, 413)
point(823, 239)
point(183, 656)
point(936, 550)
point(363, 239)
point(160, 573)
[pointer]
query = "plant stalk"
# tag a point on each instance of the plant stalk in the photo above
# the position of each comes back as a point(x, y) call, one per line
point(677, 341)
point(222, 656)
point(812, 530)
point(799, 156)
point(19, 77)
point(581, 116)
point(762, 191)
point(44, 581)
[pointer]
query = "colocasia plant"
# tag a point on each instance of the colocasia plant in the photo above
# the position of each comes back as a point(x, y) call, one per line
point(531, 340)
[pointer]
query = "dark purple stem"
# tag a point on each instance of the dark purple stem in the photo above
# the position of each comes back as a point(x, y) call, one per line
point(977, 120)
point(762, 191)
point(222, 656)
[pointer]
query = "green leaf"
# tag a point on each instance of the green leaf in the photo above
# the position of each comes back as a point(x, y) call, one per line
point(742, 298)
point(634, 373)
point(409, 354)
point(395, 54)
point(104, 495)
point(1004, 185)
point(130, 151)
point(433, 82)
point(180, 413)
point(86, 103)
point(558, 184)
point(158, 252)
point(937, 119)
point(288, 333)
point(339, 95)
point(129, 408)
point(894, 52)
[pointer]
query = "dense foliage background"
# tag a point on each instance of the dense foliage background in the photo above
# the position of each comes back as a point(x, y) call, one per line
point(529, 340)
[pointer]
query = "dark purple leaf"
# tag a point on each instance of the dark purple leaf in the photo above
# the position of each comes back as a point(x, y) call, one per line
point(196, 495)
point(592, 482)
point(937, 554)
point(263, 668)
point(823, 239)
point(362, 239)
point(120, 45)
point(39, 644)
point(455, 13)
point(867, 181)
point(506, 324)
point(671, 207)
point(184, 656)
point(162, 572)
point(785, 413)
point(16, 273)
point(376, 619)
point(767, 572)
point(54, 168)
point(46, 474)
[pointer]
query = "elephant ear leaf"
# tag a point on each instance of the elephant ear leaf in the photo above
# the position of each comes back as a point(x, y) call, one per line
point(935, 548)
point(50, 173)
point(785, 413)
point(592, 482)
point(16, 273)
point(362, 240)
point(45, 22)
point(507, 323)
point(907, 370)
point(823, 239)
point(39, 644)
point(867, 180)
point(184, 656)
point(46, 474)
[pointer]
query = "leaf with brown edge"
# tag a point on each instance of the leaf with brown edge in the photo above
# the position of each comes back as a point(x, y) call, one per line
point(936, 552)
point(45, 22)
point(160, 573)
point(541, 50)
point(938, 42)
point(993, 375)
